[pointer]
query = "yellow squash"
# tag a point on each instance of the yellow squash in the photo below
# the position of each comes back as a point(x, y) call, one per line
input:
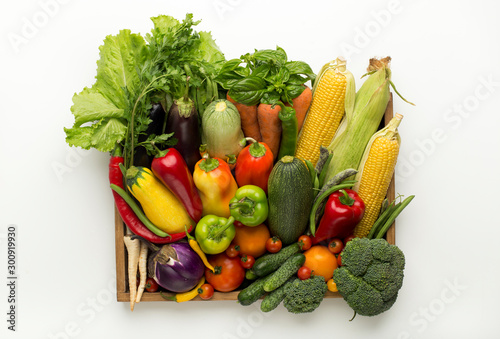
point(159, 204)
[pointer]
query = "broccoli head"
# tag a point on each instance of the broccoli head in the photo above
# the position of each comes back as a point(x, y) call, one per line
point(370, 276)
point(303, 296)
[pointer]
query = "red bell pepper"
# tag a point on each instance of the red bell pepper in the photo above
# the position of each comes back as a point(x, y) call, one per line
point(254, 165)
point(170, 167)
point(343, 211)
point(127, 214)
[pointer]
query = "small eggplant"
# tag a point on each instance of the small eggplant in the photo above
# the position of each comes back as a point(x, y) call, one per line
point(157, 115)
point(183, 121)
point(175, 267)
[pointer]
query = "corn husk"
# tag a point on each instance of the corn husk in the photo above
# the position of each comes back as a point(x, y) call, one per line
point(352, 137)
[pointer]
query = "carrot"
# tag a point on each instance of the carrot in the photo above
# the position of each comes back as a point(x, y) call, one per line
point(143, 274)
point(249, 121)
point(301, 105)
point(133, 249)
point(270, 126)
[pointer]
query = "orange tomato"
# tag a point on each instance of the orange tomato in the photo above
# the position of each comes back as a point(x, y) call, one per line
point(252, 240)
point(321, 261)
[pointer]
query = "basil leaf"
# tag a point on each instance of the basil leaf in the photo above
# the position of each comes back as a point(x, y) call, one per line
point(296, 79)
point(248, 91)
point(294, 90)
point(275, 56)
point(270, 98)
point(261, 71)
point(228, 79)
point(230, 65)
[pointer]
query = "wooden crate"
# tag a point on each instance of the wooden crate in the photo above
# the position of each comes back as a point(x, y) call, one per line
point(123, 294)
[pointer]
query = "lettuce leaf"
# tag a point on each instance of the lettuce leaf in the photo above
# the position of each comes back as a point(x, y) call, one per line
point(105, 107)
point(102, 135)
point(210, 52)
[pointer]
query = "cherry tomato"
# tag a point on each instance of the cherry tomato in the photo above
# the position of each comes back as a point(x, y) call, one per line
point(233, 251)
point(252, 240)
point(305, 242)
point(238, 224)
point(247, 261)
point(335, 245)
point(228, 275)
point(332, 286)
point(151, 285)
point(273, 245)
point(339, 260)
point(304, 273)
point(206, 291)
point(349, 238)
point(321, 261)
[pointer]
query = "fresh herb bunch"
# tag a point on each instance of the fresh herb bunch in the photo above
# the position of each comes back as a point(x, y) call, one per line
point(265, 76)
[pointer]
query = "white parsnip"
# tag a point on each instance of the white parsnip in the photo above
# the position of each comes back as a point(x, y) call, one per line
point(143, 274)
point(133, 250)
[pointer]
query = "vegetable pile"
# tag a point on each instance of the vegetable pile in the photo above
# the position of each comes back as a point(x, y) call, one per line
point(252, 175)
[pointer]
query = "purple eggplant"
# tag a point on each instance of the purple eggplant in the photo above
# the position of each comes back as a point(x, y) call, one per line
point(175, 267)
point(183, 121)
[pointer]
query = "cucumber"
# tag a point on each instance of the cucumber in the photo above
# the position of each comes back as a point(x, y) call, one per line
point(250, 275)
point(273, 299)
point(269, 263)
point(290, 196)
point(282, 274)
point(252, 293)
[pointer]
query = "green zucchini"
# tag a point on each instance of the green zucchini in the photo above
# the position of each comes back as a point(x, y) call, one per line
point(290, 196)
point(252, 293)
point(269, 263)
point(282, 274)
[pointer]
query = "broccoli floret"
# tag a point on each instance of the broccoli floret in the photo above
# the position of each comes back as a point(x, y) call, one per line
point(370, 287)
point(357, 257)
point(304, 296)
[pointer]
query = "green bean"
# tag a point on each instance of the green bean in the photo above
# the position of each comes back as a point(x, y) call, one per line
point(393, 216)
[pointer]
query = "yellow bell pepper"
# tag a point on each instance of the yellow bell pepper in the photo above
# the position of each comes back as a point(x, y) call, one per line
point(216, 186)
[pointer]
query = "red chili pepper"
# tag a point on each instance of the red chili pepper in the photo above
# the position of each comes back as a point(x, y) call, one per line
point(343, 211)
point(170, 167)
point(253, 165)
point(128, 216)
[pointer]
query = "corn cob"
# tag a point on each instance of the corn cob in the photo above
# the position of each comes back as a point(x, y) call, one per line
point(375, 173)
point(333, 95)
point(369, 108)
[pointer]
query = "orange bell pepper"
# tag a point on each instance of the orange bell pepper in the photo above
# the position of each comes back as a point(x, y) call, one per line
point(216, 185)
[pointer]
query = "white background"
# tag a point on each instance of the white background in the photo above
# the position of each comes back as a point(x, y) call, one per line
point(445, 59)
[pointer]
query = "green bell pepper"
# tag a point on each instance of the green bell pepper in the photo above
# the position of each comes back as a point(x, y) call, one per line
point(214, 234)
point(249, 205)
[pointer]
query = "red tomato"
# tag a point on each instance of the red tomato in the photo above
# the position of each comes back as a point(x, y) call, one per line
point(304, 273)
point(335, 245)
point(305, 242)
point(228, 275)
point(339, 260)
point(206, 291)
point(273, 245)
point(151, 285)
point(247, 261)
point(349, 238)
point(233, 251)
